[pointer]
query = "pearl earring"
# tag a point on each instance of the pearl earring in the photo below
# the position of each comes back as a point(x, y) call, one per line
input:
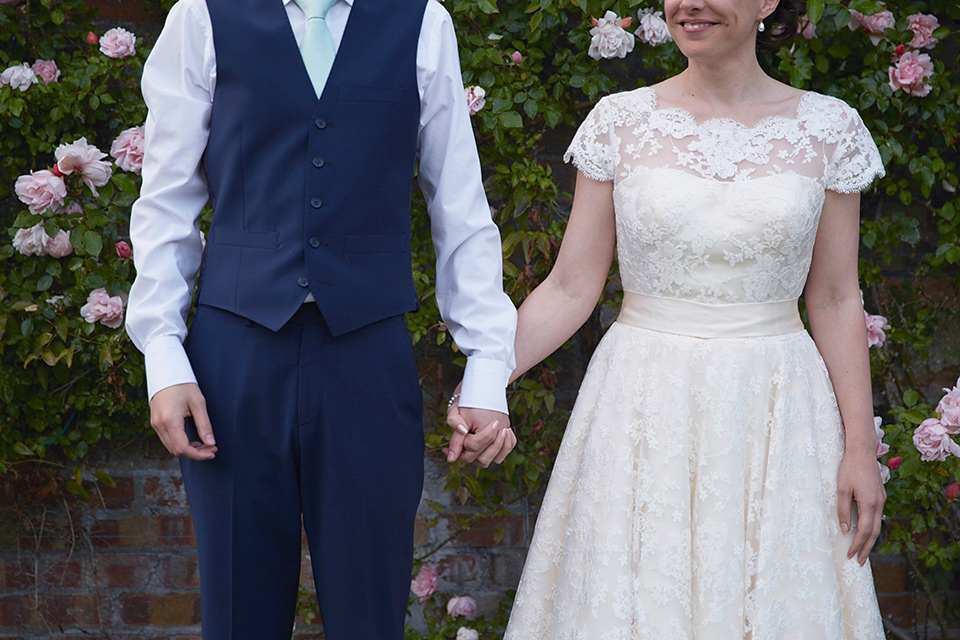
point(761, 27)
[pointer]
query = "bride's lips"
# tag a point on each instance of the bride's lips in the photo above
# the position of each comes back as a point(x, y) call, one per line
point(696, 25)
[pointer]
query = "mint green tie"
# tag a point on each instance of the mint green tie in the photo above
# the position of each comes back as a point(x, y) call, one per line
point(317, 46)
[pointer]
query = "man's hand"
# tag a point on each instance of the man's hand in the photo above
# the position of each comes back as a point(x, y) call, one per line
point(479, 435)
point(169, 407)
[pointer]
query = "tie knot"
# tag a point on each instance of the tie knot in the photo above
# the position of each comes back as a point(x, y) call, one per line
point(315, 8)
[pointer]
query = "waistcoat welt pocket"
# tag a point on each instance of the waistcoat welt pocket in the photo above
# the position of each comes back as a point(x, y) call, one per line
point(244, 238)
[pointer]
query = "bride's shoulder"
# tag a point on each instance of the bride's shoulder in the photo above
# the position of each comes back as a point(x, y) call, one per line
point(626, 106)
point(818, 106)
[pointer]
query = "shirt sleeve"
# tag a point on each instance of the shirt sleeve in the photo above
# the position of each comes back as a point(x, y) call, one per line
point(594, 148)
point(480, 316)
point(178, 83)
point(856, 159)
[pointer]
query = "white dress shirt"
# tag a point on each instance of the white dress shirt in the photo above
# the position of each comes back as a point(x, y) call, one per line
point(178, 86)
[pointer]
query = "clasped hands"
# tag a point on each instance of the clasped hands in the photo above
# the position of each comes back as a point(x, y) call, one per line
point(479, 435)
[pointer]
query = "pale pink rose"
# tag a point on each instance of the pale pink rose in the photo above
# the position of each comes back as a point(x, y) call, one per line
point(123, 249)
point(462, 606)
point(874, 24)
point(127, 149)
point(464, 633)
point(875, 326)
point(923, 25)
point(608, 38)
point(652, 28)
point(32, 241)
point(426, 582)
point(19, 76)
point(103, 308)
point(882, 448)
point(884, 472)
point(952, 491)
point(933, 441)
point(87, 160)
point(516, 57)
point(805, 28)
point(46, 70)
point(117, 43)
point(41, 190)
point(59, 246)
point(910, 73)
point(476, 98)
point(949, 408)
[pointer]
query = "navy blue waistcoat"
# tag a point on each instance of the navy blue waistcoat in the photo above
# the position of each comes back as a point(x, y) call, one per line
point(312, 194)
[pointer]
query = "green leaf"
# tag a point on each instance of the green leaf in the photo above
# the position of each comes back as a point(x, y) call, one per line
point(910, 398)
point(23, 450)
point(511, 120)
point(815, 10)
point(76, 488)
point(487, 6)
point(93, 243)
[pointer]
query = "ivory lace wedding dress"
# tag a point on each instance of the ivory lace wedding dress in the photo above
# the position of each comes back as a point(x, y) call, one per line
point(695, 493)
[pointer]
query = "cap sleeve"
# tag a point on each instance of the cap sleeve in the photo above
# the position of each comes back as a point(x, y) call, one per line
point(593, 149)
point(856, 159)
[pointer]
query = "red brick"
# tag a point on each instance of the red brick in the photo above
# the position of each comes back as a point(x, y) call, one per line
point(181, 571)
point(19, 574)
point(120, 496)
point(123, 571)
point(484, 532)
point(15, 611)
point(176, 530)
point(458, 568)
point(164, 491)
point(56, 610)
point(135, 609)
point(421, 535)
point(889, 574)
point(176, 610)
point(122, 11)
point(105, 533)
point(137, 531)
point(64, 574)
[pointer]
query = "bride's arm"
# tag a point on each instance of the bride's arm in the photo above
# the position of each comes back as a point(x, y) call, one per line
point(564, 300)
point(835, 311)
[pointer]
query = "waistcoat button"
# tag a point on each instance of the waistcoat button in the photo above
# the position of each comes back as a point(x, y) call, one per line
point(303, 282)
point(318, 162)
point(314, 242)
point(316, 203)
point(321, 123)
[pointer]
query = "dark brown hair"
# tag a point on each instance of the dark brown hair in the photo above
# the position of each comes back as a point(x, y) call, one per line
point(781, 25)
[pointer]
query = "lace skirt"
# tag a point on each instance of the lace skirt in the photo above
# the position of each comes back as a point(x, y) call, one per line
point(694, 496)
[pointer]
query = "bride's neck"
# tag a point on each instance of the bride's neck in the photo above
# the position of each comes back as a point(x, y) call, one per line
point(724, 84)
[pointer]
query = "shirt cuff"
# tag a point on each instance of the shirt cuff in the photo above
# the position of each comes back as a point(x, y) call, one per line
point(167, 364)
point(485, 384)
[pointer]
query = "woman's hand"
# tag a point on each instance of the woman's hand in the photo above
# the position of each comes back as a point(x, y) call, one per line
point(479, 435)
point(859, 482)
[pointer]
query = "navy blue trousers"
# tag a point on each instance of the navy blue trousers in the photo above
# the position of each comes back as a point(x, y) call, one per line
point(312, 426)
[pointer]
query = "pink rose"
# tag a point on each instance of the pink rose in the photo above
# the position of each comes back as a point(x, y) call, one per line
point(923, 25)
point(910, 72)
point(517, 57)
point(884, 472)
point(41, 190)
point(87, 160)
point(894, 463)
point(806, 28)
point(464, 633)
point(882, 448)
point(874, 25)
point(875, 326)
point(106, 309)
point(426, 582)
point(949, 408)
point(462, 606)
point(59, 246)
point(32, 241)
point(117, 43)
point(933, 441)
point(47, 70)
point(92, 38)
point(476, 98)
point(952, 491)
point(19, 76)
point(127, 149)
point(608, 38)
point(123, 249)
point(653, 29)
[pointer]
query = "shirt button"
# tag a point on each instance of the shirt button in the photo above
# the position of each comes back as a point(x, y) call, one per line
point(314, 242)
point(316, 203)
point(303, 282)
point(318, 162)
point(321, 123)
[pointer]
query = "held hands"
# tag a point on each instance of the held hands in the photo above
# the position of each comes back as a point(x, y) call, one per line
point(479, 435)
point(859, 482)
point(169, 407)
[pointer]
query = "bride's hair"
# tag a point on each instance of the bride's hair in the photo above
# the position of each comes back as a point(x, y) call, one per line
point(781, 25)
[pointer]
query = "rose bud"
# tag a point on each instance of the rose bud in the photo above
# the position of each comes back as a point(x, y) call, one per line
point(952, 491)
point(517, 57)
point(900, 49)
point(123, 249)
point(92, 38)
point(894, 462)
point(626, 22)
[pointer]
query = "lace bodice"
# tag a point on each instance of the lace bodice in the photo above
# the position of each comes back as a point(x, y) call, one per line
point(719, 212)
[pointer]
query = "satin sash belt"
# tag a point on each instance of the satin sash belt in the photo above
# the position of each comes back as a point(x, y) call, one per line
point(699, 320)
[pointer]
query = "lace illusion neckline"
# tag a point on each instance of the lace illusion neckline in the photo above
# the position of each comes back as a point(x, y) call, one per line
point(691, 120)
